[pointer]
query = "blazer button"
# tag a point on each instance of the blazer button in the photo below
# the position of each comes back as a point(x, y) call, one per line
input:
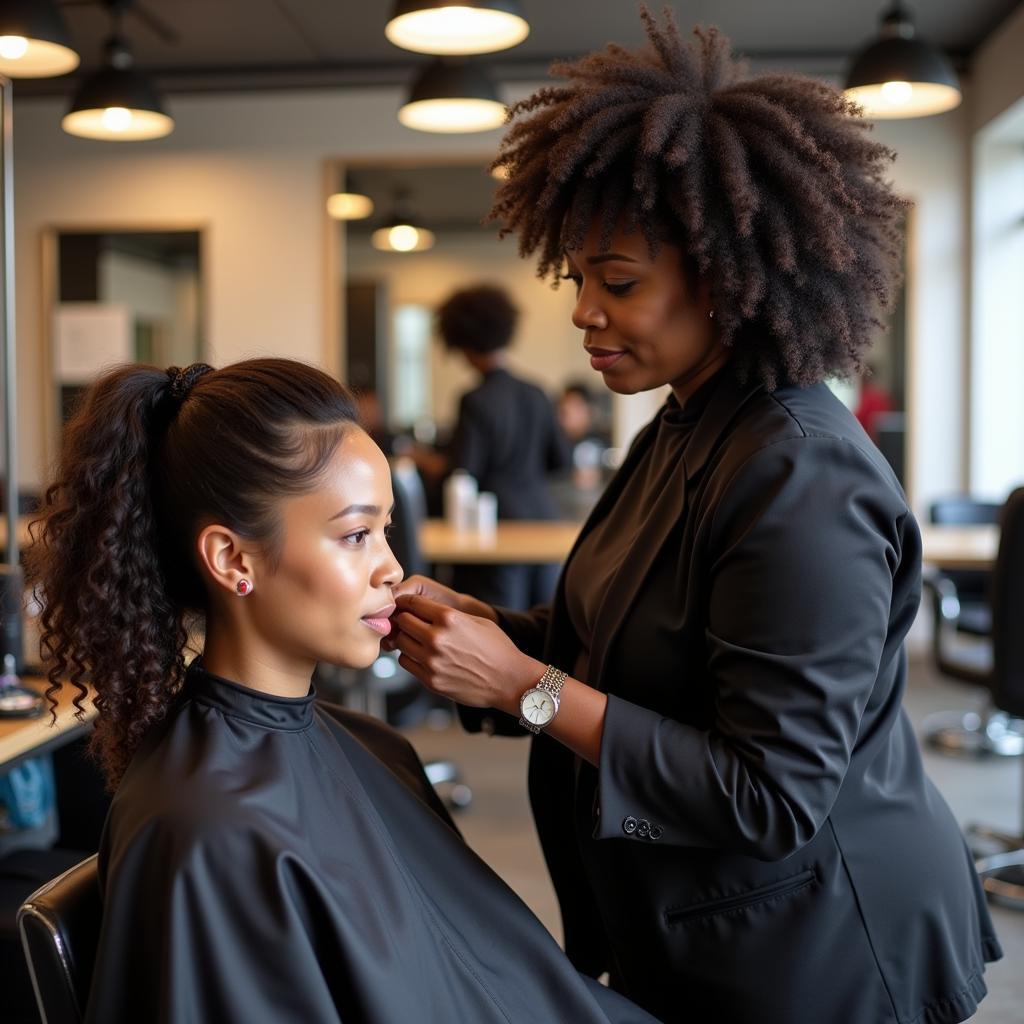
point(657, 831)
point(629, 825)
point(643, 828)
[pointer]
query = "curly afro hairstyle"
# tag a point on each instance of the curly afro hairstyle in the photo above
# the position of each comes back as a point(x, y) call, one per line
point(768, 184)
point(479, 319)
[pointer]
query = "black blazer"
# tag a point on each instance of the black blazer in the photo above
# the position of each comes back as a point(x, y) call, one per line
point(508, 438)
point(759, 842)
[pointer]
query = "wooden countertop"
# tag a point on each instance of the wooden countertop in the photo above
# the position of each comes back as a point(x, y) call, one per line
point(21, 736)
point(522, 541)
point(960, 547)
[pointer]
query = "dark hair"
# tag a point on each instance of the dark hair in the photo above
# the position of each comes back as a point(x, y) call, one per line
point(149, 459)
point(478, 319)
point(768, 184)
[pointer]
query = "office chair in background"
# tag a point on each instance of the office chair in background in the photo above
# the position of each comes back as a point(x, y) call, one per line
point(1002, 873)
point(961, 611)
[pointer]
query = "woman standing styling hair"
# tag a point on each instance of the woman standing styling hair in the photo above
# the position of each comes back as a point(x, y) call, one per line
point(266, 858)
point(730, 799)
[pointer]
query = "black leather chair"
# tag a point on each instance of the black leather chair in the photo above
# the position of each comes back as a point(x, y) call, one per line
point(1003, 873)
point(961, 645)
point(60, 927)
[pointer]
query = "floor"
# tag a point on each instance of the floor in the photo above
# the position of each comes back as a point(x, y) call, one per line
point(499, 827)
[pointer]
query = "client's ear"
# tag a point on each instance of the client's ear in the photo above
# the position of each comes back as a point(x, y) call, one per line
point(225, 558)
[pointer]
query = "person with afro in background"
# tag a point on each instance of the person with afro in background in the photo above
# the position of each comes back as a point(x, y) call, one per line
point(506, 436)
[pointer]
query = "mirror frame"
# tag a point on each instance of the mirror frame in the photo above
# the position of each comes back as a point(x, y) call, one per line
point(49, 290)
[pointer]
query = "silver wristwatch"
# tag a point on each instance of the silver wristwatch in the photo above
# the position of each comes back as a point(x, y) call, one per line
point(539, 705)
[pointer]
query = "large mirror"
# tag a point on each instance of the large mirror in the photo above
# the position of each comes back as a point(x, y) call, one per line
point(388, 282)
point(117, 295)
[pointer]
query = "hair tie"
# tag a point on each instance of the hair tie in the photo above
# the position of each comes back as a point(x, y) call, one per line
point(182, 380)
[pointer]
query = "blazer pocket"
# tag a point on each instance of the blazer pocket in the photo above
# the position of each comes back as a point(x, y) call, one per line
point(741, 901)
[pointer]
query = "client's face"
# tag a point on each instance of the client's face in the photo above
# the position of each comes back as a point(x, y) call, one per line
point(329, 597)
point(643, 326)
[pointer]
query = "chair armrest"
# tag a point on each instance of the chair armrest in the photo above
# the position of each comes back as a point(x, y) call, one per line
point(946, 612)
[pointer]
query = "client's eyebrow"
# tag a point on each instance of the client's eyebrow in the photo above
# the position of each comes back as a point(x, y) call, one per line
point(365, 510)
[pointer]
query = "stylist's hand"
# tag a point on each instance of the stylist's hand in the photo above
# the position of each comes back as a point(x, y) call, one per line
point(459, 655)
point(423, 586)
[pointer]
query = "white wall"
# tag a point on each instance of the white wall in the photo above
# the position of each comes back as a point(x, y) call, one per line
point(997, 312)
point(931, 169)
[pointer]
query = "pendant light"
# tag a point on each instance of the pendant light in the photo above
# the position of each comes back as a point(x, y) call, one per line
point(900, 75)
point(117, 103)
point(459, 27)
point(34, 41)
point(349, 203)
point(452, 95)
point(349, 206)
point(400, 232)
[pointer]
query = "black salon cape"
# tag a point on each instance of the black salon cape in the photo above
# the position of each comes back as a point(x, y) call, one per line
point(279, 860)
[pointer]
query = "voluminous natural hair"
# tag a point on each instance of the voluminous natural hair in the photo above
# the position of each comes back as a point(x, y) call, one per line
point(481, 319)
point(141, 472)
point(768, 184)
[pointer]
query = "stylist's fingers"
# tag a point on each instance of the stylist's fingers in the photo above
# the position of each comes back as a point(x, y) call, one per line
point(423, 586)
point(424, 608)
point(412, 647)
point(412, 625)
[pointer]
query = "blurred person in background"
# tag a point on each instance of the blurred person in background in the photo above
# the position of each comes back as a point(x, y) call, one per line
point(506, 436)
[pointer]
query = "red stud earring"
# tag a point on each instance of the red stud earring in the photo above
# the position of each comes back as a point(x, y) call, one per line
point(243, 587)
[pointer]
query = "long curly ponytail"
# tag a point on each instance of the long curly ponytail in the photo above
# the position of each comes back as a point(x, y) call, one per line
point(149, 456)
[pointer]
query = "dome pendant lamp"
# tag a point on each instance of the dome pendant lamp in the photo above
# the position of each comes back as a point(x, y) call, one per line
point(451, 95)
point(400, 232)
point(900, 75)
point(456, 26)
point(117, 103)
point(348, 203)
point(34, 41)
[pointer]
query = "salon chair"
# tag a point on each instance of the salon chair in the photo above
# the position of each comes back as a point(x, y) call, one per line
point(60, 928)
point(961, 645)
point(379, 689)
point(1002, 873)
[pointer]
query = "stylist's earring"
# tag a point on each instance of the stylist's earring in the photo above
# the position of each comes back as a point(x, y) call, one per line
point(711, 315)
point(243, 587)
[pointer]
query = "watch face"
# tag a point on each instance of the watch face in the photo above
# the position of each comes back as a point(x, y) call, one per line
point(538, 707)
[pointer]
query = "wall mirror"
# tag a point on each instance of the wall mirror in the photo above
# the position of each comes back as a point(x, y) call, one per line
point(387, 281)
point(117, 295)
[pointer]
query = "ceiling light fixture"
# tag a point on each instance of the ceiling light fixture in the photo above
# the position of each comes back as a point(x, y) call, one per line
point(117, 103)
point(348, 203)
point(34, 41)
point(900, 75)
point(400, 232)
point(349, 206)
point(468, 26)
point(452, 95)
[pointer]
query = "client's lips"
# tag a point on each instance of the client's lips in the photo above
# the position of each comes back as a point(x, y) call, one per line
point(604, 358)
point(380, 621)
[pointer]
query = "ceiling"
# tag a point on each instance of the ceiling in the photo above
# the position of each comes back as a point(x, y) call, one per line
point(271, 44)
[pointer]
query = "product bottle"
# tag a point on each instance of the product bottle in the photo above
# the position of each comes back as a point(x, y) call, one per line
point(460, 500)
